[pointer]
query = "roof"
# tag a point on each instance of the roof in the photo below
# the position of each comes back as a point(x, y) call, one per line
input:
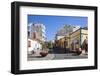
point(85, 28)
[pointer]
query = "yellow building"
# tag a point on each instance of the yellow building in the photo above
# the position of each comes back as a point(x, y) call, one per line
point(73, 40)
point(77, 38)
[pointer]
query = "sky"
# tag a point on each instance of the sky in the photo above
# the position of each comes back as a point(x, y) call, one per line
point(54, 23)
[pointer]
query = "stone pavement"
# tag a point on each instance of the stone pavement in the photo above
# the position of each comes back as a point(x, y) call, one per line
point(57, 56)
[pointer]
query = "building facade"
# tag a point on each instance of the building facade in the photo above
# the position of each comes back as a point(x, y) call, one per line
point(37, 32)
point(65, 30)
point(33, 45)
point(36, 37)
point(73, 40)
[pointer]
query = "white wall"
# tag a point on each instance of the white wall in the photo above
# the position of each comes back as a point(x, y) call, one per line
point(5, 27)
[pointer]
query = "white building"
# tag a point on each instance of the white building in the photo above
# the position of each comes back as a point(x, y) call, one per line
point(33, 45)
point(43, 29)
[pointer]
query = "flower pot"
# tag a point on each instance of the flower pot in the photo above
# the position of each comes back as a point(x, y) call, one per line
point(43, 54)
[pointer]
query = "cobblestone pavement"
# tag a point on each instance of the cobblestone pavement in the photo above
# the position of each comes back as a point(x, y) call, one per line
point(57, 56)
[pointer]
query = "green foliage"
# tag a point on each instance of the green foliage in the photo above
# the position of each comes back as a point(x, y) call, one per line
point(50, 45)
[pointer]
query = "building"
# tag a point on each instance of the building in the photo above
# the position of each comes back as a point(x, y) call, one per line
point(65, 30)
point(73, 40)
point(37, 32)
point(75, 28)
point(77, 38)
point(36, 37)
point(33, 45)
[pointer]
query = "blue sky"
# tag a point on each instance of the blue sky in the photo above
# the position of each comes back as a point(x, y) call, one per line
point(54, 23)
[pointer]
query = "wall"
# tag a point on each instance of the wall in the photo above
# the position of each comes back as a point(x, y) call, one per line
point(84, 35)
point(75, 36)
point(5, 41)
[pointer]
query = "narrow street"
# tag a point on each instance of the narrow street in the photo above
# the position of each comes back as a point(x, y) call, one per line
point(57, 56)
